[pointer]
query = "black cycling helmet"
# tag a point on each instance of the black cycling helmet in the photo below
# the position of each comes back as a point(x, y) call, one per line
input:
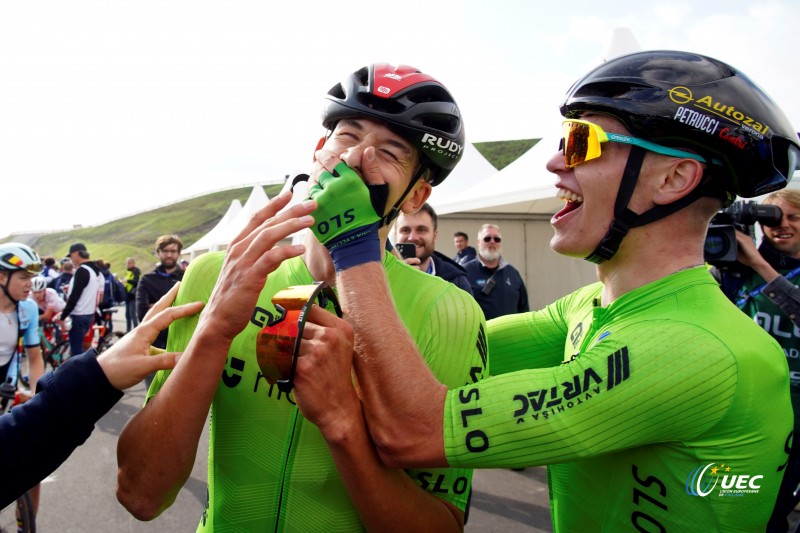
point(687, 100)
point(412, 104)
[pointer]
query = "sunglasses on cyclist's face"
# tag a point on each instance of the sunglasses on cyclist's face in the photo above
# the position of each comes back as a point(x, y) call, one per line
point(489, 238)
point(581, 140)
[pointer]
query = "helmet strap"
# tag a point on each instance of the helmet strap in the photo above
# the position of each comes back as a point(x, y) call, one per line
point(5, 287)
point(394, 212)
point(625, 219)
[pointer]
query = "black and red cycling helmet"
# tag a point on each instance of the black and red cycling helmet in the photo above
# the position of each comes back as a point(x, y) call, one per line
point(687, 100)
point(410, 103)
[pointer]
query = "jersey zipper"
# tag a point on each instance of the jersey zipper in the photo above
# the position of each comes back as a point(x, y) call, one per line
point(288, 461)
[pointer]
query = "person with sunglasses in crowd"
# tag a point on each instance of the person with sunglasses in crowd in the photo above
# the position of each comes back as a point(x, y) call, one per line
point(269, 468)
point(496, 285)
point(656, 404)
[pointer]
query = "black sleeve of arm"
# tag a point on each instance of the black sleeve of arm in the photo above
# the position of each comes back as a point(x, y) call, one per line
point(142, 300)
point(81, 282)
point(785, 295)
point(463, 283)
point(523, 306)
point(41, 434)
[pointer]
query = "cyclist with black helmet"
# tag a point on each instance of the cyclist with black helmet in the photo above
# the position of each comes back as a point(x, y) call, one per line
point(269, 468)
point(657, 404)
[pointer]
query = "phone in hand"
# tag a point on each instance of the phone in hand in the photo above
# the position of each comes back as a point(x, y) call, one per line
point(407, 250)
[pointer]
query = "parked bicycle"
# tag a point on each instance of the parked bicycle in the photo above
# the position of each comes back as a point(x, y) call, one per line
point(55, 343)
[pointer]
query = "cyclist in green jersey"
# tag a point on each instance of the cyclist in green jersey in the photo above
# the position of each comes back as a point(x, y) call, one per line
point(657, 405)
point(269, 468)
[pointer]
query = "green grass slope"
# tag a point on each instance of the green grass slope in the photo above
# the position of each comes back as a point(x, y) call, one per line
point(134, 236)
point(501, 153)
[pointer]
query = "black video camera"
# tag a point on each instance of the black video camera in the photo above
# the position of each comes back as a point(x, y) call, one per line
point(720, 246)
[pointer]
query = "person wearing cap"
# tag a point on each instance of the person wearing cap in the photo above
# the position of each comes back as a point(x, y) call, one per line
point(269, 467)
point(85, 288)
point(656, 404)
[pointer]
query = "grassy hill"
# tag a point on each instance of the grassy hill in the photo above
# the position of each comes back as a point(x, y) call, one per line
point(135, 235)
point(501, 153)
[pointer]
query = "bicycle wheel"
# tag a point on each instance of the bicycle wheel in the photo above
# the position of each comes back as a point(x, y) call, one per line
point(57, 355)
point(108, 341)
point(19, 516)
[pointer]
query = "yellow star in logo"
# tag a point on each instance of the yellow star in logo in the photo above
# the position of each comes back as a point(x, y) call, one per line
point(728, 469)
point(714, 470)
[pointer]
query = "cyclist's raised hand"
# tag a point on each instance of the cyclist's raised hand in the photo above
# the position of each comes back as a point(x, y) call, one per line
point(128, 361)
point(251, 256)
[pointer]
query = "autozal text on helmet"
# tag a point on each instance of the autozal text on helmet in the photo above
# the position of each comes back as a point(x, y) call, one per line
point(338, 221)
point(683, 95)
point(450, 148)
point(696, 120)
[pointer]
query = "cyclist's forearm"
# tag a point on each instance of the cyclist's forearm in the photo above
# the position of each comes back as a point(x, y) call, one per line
point(35, 365)
point(404, 417)
point(386, 499)
point(157, 448)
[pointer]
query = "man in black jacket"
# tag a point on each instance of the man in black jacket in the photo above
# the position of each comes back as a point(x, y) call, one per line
point(153, 285)
point(421, 228)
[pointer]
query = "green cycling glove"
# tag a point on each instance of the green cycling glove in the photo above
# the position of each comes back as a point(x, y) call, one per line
point(348, 215)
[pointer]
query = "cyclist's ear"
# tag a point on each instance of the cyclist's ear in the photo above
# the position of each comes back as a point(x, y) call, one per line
point(417, 197)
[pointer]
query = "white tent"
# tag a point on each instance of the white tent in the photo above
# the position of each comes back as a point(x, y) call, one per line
point(473, 168)
point(220, 236)
point(525, 186)
point(211, 238)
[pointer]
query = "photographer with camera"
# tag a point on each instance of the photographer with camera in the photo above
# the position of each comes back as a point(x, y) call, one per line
point(763, 284)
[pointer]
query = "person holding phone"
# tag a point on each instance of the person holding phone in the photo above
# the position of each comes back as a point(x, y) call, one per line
point(415, 239)
point(497, 286)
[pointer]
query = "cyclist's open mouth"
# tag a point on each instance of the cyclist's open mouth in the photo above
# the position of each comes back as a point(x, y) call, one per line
point(573, 201)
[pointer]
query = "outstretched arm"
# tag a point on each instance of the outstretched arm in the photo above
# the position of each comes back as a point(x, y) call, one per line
point(157, 448)
point(44, 431)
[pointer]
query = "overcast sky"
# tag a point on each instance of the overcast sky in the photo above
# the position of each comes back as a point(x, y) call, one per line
point(144, 103)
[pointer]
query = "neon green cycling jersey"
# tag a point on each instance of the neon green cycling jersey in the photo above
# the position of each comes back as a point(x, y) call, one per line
point(669, 411)
point(269, 469)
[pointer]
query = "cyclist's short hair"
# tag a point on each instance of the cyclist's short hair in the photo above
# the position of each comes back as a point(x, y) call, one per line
point(462, 235)
point(166, 240)
point(426, 208)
